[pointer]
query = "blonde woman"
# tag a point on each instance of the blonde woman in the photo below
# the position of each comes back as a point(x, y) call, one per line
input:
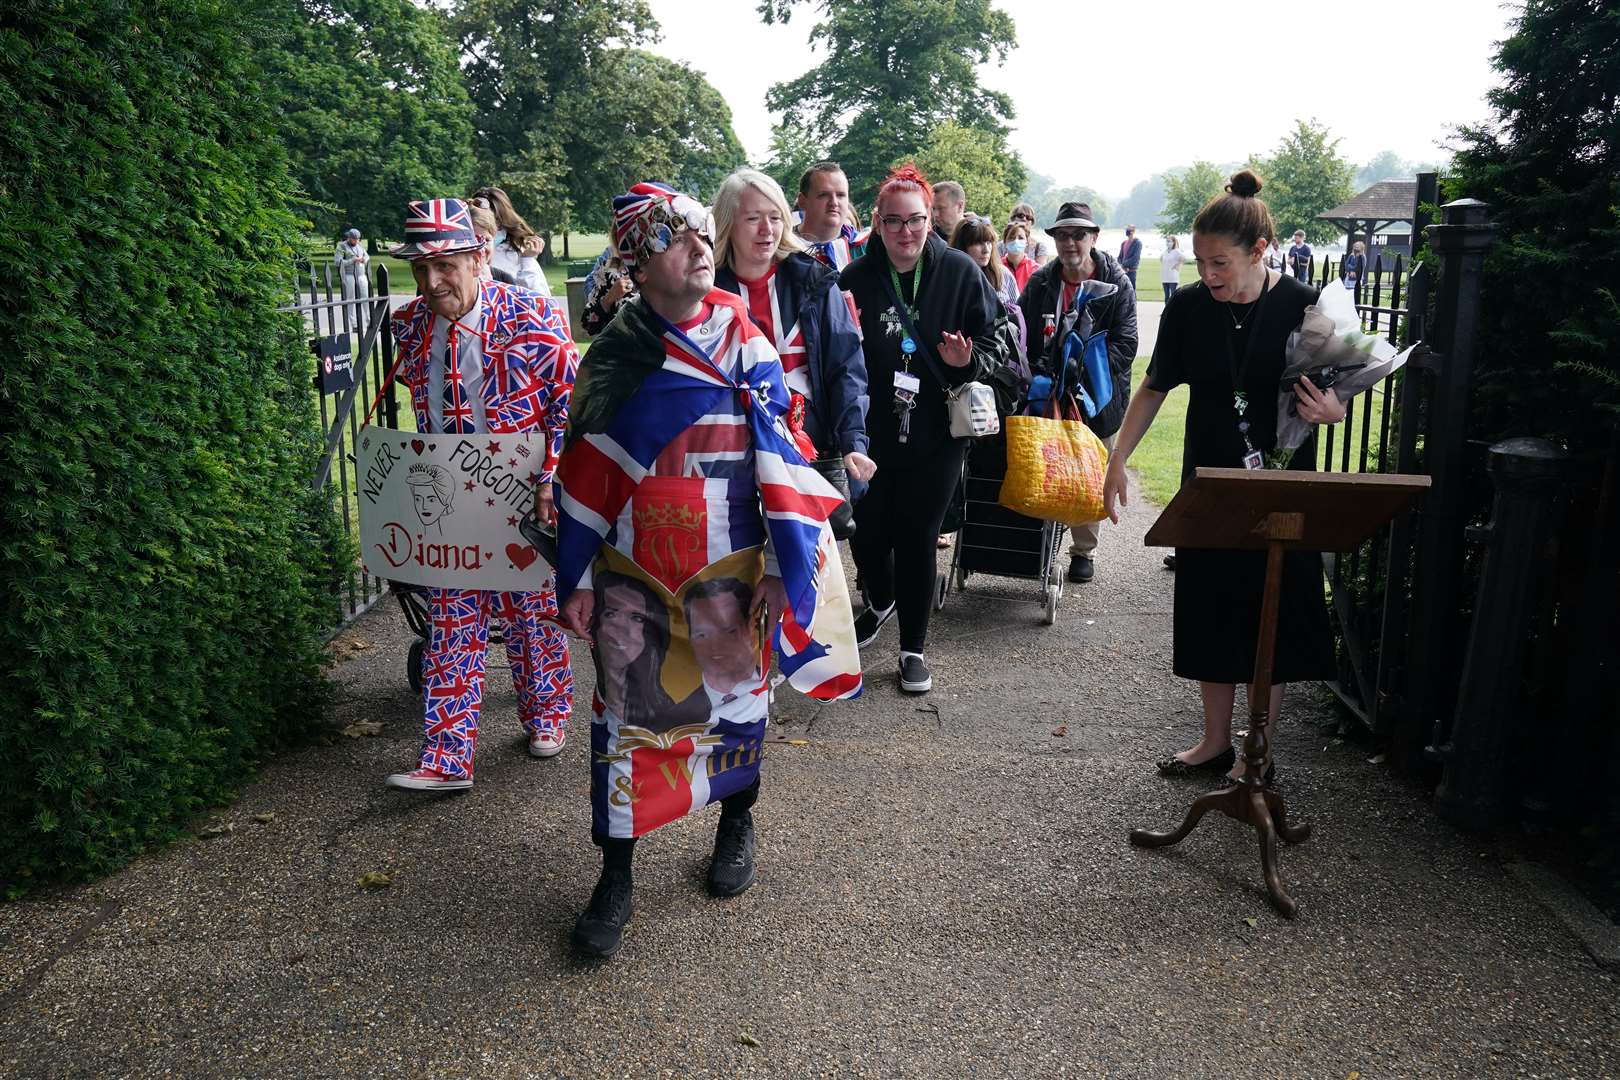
point(796, 301)
point(1354, 266)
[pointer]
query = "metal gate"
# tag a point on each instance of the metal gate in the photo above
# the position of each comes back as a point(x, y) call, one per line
point(1358, 581)
point(359, 330)
point(1397, 601)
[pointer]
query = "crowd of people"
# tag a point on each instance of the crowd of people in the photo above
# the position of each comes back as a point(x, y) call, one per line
point(783, 369)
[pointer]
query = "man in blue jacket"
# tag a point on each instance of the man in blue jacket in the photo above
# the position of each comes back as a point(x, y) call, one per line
point(1130, 254)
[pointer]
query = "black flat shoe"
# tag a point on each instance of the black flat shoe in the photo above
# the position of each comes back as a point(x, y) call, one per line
point(1174, 766)
point(1269, 779)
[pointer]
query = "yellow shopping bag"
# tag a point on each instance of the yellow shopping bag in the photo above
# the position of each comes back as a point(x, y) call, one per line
point(1055, 469)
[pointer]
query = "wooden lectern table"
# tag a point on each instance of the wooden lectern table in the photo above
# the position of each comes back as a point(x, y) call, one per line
point(1274, 511)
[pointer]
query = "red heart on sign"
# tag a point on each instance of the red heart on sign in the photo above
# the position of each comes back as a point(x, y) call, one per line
point(416, 444)
point(522, 555)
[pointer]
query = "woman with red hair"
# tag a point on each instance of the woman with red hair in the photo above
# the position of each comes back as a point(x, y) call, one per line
point(929, 320)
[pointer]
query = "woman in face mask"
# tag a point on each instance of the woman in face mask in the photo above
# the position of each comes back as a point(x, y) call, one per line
point(1020, 263)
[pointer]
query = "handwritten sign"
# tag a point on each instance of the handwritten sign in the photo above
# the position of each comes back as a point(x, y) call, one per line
point(443, 510)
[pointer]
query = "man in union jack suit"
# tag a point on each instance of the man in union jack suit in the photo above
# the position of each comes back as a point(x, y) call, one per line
point(487, 358)
point(692, 535)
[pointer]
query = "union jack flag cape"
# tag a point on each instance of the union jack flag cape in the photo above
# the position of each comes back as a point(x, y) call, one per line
point(648, 386)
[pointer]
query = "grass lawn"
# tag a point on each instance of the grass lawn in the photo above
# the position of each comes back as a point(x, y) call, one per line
point(1157, 460)
point(1147, 278)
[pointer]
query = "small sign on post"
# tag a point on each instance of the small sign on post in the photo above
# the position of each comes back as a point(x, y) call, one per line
point(445, 510)
point(334, 363)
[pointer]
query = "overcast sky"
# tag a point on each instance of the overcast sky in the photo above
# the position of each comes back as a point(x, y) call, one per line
point(1165, 82)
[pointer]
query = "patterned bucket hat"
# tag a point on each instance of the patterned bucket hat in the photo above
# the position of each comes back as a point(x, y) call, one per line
point(435, 227)
point(648, 218)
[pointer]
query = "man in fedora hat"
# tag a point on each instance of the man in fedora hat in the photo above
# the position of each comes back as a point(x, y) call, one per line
point(1086, 291)
point(483, 357)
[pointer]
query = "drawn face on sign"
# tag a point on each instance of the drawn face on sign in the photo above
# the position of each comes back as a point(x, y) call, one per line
point(432, 489)
point(722, 637)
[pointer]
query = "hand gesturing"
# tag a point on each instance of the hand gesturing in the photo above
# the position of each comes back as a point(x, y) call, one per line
point(955, 349)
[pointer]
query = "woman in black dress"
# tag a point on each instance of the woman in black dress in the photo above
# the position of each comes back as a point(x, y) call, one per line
point(1225, 338)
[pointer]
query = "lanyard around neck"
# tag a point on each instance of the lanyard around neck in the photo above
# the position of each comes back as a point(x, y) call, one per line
point(915, 305)
point(1240, 369)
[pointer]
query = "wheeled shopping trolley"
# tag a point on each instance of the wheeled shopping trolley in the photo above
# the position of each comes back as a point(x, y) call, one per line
point(1000, 542)
point(414, 602)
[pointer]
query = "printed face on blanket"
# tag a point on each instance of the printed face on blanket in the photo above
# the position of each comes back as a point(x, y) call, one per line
point(481, 357)
point(686, 510)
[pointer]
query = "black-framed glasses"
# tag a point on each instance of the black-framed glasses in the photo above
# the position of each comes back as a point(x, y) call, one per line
point(894, 223)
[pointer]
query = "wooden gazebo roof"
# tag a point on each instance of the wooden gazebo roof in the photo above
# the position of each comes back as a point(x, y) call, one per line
point(1387, 200)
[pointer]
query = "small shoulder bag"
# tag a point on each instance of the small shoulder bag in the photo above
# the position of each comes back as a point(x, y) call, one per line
point(970, 407)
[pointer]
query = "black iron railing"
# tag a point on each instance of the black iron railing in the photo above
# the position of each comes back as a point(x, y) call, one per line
point(357, 328)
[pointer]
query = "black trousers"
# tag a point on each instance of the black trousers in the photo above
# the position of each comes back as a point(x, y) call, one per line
point(617, 851)
point(896, 530)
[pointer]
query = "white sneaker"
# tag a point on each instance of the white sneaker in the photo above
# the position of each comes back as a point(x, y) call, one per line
point(428, 780)
point(547, 742)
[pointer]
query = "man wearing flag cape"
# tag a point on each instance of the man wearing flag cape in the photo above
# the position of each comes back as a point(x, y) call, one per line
point(692, 537)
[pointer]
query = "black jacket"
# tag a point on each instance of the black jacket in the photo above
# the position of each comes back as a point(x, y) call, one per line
point(1115, 313)
point(955, 296)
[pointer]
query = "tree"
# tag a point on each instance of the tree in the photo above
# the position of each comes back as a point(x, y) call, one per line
point(1548, 163)
point(1386, 165)
point(894, 71)
point(988, 172)
point(1144, 203)
point(668, 124)
point(1304, 177)
point(792, 152)
point(372, 107)
point(1186, 191)
point(1051, 200)
point(535, 72)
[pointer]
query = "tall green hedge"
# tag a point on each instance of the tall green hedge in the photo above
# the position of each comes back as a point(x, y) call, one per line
point(163, 556)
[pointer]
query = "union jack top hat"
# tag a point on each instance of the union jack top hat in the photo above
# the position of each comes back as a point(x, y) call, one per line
point(435, 227)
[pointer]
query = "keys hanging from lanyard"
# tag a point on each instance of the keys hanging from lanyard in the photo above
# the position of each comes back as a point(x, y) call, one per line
point(1252, 458)
point(906, 386)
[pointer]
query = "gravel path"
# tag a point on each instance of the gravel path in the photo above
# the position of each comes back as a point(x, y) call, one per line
point(945, 890)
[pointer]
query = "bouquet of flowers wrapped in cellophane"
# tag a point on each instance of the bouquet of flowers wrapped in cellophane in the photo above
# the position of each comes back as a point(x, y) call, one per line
point(1331, 350)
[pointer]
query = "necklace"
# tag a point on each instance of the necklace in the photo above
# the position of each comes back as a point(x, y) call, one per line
point(1251, 306)
point(1237, 323)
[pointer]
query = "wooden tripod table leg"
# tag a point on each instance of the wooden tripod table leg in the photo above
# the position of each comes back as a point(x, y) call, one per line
point(1260, 818)
point(1247, 803)
point(1249, 800)
point(1228, 801)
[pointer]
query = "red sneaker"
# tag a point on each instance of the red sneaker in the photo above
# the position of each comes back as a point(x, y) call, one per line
point(428, 780)
point(547, 742)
